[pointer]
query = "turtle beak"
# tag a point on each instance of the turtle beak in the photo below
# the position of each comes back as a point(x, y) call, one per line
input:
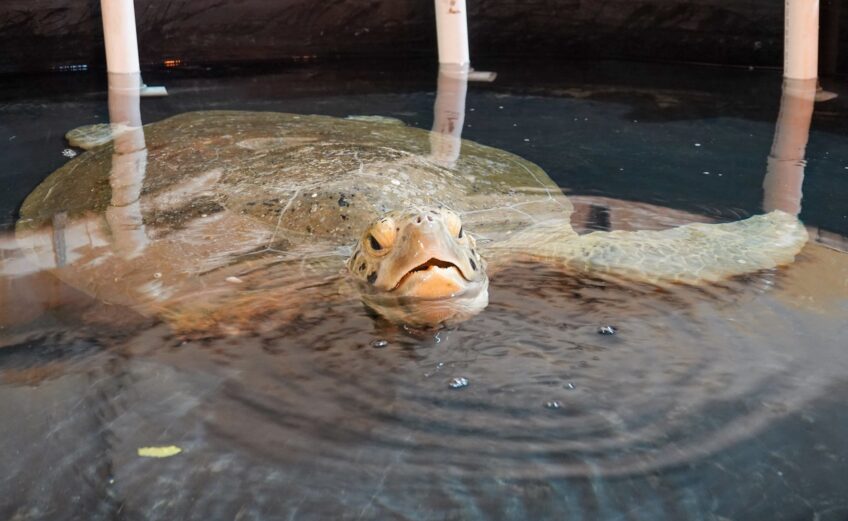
point(428, 262)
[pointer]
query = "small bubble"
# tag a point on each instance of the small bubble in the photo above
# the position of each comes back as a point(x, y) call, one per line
point(378, 344)
point(607, 330)
point(553, 404)
point(458, 383)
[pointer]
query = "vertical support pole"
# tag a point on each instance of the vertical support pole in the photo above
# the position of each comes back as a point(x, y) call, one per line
point(451, 32)
point(449, 114)
point(119, 36)
point(801, 39)
point(785, 165)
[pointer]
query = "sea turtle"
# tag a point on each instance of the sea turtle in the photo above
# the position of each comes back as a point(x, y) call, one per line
point(217, 217)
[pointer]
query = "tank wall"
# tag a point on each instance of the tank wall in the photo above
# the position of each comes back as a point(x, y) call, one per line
point(44, 34)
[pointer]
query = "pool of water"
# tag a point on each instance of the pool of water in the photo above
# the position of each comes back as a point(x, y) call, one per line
point(721, 401)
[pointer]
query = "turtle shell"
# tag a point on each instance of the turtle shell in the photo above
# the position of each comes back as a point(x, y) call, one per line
point(201, 199)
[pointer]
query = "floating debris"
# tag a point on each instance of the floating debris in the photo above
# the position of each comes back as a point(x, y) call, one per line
point(159, 452)
point(553, 404)
point(379, 344)
point(69, 152)
point(458, 383)
point(607, 330)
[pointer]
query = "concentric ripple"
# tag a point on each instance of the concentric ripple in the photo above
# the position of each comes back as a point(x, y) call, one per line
point(687, 374)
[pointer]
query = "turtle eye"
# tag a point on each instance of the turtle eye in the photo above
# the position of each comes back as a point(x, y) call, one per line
point(381, 236)
point(454, 224)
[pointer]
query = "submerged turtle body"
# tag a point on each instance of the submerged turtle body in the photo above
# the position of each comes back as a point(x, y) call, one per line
point(208, 200)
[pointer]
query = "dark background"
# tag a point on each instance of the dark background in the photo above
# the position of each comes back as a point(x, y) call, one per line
point(39, 35)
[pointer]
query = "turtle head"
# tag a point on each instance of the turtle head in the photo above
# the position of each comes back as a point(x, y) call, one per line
point(420, 267)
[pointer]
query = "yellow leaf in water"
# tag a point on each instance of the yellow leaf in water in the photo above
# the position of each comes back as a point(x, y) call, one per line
point(159, 452)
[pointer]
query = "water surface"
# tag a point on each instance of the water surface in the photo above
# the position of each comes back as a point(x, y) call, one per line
point(716, 402)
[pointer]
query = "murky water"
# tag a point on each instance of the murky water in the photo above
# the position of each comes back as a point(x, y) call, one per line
point(716, 402)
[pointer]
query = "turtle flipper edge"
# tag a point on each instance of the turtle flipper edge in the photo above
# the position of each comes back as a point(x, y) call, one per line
point(692, 253)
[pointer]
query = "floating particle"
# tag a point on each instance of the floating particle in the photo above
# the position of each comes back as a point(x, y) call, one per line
point(234, 280)
point(157, 275)
point(68, 152)
point(526, 139)
point(553, 404)
point(458, 383)
point(379, 344)
point(706, 173)
point(159, 452)
point(569, 386)
point(697, 144)
point(607, 330)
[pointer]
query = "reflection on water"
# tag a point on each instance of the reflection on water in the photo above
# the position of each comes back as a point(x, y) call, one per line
point(709, 402)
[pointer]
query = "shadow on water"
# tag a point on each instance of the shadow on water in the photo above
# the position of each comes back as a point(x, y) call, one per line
point(722, 401)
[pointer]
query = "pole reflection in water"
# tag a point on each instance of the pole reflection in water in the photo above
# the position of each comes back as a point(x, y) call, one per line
point(449, 114)
point(129, 161)
point(785, 170)
point(67, 239)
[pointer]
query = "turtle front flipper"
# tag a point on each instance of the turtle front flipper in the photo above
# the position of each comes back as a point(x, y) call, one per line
point(689, 254)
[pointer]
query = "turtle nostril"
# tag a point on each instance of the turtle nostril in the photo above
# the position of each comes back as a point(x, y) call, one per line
point(418, 221)
point(430, 218)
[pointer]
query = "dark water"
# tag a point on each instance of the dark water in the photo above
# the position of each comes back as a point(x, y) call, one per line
point(718, 402)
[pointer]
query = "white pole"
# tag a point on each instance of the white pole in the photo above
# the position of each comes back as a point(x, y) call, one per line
point(449, 114)
point(785, 164)
point(452, 32)
point(801, 39)
point(119, 35)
